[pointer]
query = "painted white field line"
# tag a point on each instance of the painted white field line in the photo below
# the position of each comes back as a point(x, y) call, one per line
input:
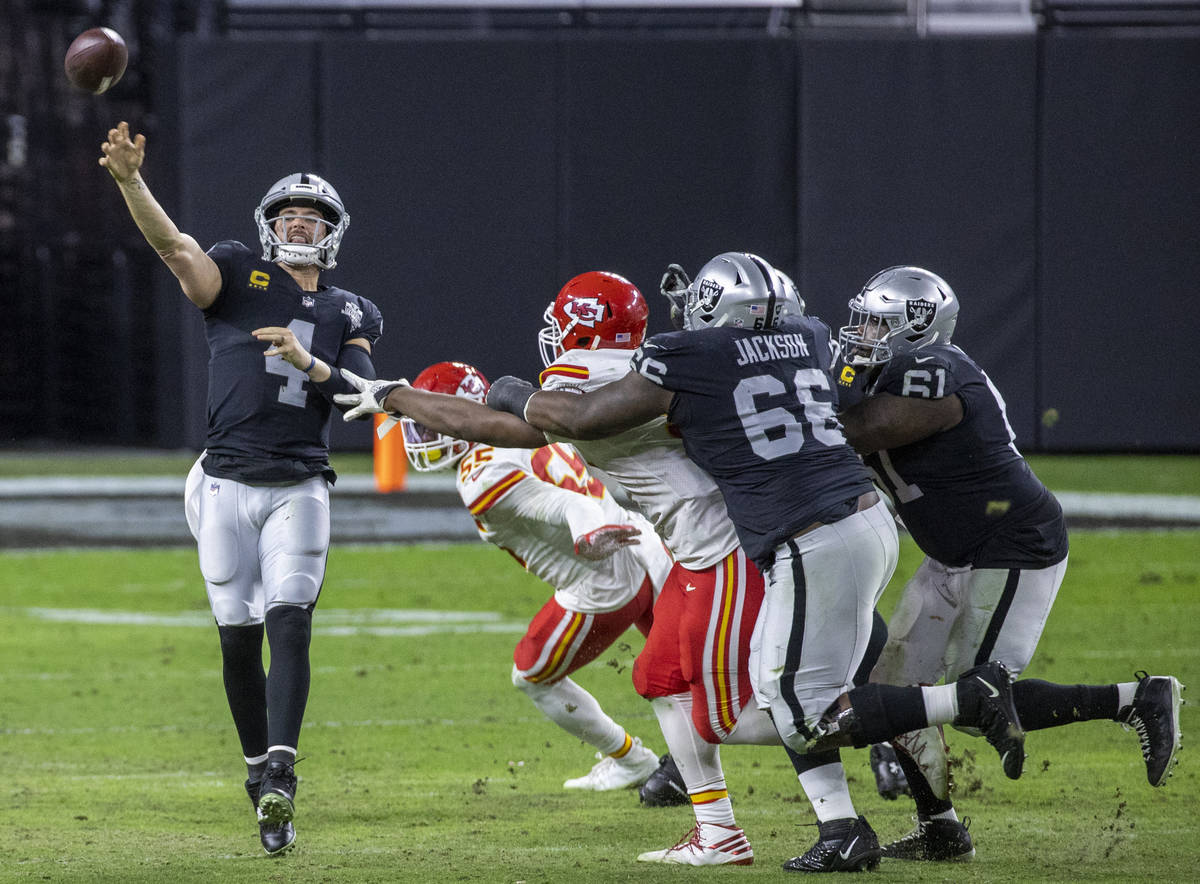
point(388, 622)
point(195, 727)
point(194, 674)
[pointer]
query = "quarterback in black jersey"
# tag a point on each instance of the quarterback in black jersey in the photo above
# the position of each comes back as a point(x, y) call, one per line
point(933, 429)
point(257, 500)
point(749, 386)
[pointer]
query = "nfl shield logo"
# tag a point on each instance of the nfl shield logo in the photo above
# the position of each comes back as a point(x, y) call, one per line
point(213, 489)
point(919, 313)
point(307, 302)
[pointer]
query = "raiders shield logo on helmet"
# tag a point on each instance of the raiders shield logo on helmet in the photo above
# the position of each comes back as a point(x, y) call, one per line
point(709, 294)
point(919, 313)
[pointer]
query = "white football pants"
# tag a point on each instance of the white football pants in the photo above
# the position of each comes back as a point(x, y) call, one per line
point(815, 622)
point(260, 546)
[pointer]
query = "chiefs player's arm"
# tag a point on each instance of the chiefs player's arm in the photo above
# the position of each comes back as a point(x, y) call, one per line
point(463, 418)
point(605, 411)
point(884, 421)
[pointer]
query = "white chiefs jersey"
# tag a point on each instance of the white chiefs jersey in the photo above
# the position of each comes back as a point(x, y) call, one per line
point(536, 503)
point(681, 499)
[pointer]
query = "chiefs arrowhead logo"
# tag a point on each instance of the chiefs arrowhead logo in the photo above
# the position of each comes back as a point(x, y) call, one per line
point(585, 311)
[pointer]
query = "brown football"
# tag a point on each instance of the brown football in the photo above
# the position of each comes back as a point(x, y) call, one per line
point(96, 60)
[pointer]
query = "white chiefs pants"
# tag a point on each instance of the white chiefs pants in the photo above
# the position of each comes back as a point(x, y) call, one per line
point(815, 622)
point(260, 546)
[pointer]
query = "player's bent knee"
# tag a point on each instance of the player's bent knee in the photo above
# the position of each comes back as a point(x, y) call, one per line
point(232, 612)
point(524, 684)
point(298, 588)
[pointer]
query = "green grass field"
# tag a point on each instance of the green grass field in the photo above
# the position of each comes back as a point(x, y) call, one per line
point(1142, 474)
point(422, 763)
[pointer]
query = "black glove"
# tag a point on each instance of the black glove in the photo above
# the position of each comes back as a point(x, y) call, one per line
point(510, 394)
point(674, 287)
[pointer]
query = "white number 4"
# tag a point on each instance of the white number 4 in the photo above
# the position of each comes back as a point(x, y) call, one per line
point(293, 393)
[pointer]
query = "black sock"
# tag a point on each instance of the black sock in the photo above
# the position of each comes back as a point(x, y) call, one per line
point(806, 761)
point(928, 804)
point(1042, 704)
point(245, 685)
point(289, 629)
point(882, 711)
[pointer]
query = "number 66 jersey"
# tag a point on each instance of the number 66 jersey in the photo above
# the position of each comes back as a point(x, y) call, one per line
point(267, 420)
point(755, 410)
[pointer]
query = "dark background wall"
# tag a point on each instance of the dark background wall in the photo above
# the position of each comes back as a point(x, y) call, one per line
point(1050, 176)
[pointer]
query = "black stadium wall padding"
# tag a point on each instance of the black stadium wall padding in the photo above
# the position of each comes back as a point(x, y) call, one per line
point(1120, 240)
point(922, 152)
point(1050, 178)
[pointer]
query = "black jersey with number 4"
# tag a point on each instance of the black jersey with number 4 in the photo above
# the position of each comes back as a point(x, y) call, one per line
point(965, 494)
point(267, 421)
point(755, 409)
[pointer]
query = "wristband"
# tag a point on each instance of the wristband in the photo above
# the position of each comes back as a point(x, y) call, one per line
point(311, 364)
point(510, 394)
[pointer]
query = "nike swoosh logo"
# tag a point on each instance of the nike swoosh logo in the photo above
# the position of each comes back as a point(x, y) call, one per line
point(989, 686)
point(845, 854)
point(923, 359)
point(689, 588)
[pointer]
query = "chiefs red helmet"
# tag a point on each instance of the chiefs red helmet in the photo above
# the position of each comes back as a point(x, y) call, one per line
point(428, 450)
point(594, 310)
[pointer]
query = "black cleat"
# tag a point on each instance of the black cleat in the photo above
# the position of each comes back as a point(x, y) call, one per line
point(1155, 716)
point(985, 701)
point(665, 788)
point(845, 845)
point(276, 838)
point(890, 780)
point(934, 840)
point(277, 793)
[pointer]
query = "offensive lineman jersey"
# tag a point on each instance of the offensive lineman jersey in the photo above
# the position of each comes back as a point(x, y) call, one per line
point(267, 422)
point(966, 495)
point(649, 462)
point(534, 503)
point(756, 411)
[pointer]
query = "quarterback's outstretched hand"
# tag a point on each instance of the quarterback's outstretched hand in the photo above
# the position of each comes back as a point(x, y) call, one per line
point(673, 287)
point(606, 540)
point(369, 400)
point(510, 394)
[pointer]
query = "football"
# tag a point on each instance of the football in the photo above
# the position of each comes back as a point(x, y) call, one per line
point(96, 60)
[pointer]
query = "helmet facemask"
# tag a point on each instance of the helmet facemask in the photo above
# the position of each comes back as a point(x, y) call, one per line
point(427, 449)
point(550, 338)
point(301, 191)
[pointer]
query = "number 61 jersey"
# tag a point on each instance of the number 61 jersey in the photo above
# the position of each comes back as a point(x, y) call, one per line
point(756, 411)
point(966, 494)
point(267, 422)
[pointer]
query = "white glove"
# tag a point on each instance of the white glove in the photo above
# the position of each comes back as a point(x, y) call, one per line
point(605, 540)
point(369, 399)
